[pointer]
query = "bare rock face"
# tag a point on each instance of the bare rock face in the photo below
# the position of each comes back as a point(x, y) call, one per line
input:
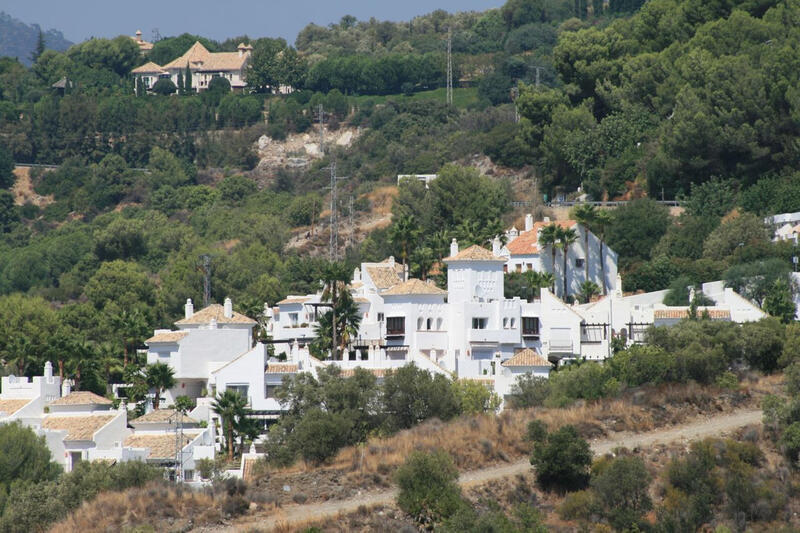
point(297, 151)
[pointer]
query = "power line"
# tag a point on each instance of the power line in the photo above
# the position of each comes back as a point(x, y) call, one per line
point(206, 268)
point(177, 418)
point(333, 246)
point(449, 66)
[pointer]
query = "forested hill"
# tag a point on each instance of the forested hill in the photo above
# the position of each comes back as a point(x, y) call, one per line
point(19, 40)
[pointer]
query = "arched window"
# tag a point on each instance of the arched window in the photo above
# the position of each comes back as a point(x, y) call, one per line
point(429, 324)
point(505, 323)
point(419, 323)
point(513, 323)
point(439, 323)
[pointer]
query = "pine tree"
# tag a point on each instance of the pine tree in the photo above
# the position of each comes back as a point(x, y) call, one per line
point(40, 47)
point(187, 80)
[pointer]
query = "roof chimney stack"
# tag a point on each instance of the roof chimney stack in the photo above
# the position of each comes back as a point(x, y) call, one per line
point(546, 220)
point(228, 311)
point(454, 248)
point(48, 370)
point(188, 309)
point(528, 222)
point(496, 245)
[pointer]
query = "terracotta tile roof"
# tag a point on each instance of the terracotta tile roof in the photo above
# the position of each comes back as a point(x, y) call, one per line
point(415, 286)
point(680, 313)
point(199, 58)
point(528, 241)
point(294, 300)
point(248, 465)
point(474, 253)
point(9, 407)
point(149, 68)
point(384, 277)
point(160, 416)
point(82, 398)
point(172, 336)
point(77, 427)
point(350, 372)
point(281, 368)
point(360, 300)
point(527, 357)
point(217, 312)
point(161, 446)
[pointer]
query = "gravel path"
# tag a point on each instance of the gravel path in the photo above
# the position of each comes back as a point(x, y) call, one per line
point(300, 514)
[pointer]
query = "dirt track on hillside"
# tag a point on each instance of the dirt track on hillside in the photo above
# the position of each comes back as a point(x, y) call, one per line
point(298, 515)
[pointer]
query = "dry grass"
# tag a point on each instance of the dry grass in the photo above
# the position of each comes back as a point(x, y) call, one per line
point(151, 505)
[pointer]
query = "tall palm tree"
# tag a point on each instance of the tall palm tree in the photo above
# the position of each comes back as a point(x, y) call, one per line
point(231, 407)
point(424, 258)
point(132, 328)
point(440, 242)
point(160, 376)
point(334, 278)
point(585, 214)
point(548, 238)
point(404, 233)
point(537, 280)
point(567, 238)
point(602, 220)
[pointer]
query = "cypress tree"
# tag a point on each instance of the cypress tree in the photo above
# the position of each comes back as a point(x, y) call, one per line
point(187, 80)
point(181, 86)
point(139, 86)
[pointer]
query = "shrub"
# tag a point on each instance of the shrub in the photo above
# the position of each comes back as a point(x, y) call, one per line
point(562, 463)
point(621, 489)
point(536, 431)
point(320, 434)
point(529, 391)
point(727, 380)
point(474, 397)
point(790, 442)
point(641, 364)
point(164, 86)
point(428, 488)
point(588, 381)
point(579, 505)
point(235, 505)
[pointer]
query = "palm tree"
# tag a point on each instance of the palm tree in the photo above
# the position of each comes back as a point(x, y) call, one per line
point(469, 232)
point(602, 220)
point(549, 238)
point(567, 238)
point(404, 233)
point(231, 408)
point(348, 319)
point(440, 242)
point(537, 280)
point(588, 289)
point(585, 214)
point(132, 326)
point(423, 257)
point(161, 377)
point(334, 277)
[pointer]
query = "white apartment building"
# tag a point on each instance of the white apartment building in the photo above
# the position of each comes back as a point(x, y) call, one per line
point(588, 258)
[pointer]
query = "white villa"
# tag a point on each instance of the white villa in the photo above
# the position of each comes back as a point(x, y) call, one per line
point(203, 65)
point(524, 252)
point(82, 426)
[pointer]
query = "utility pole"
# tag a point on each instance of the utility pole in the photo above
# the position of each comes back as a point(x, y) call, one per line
point(321, 118)
point(206, 268)
point(177, 419)
point(538, 78)
point(449, 66)
point(350, 237)
point(333, 246)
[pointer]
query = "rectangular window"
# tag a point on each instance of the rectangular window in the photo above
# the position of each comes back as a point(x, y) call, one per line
point(529, 266)
point(505, 269)
point(380, 317)
point(578, 262)
point(530, 325)
point(241, 389)
point(396, 325)
point(479, 323)
point(269, 390)
point(293, 321)
point(519, 268)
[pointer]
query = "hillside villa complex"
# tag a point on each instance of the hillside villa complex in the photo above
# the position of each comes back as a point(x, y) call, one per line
point(469, 331)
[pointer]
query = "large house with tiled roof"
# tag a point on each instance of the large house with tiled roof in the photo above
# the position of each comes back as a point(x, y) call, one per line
point(595, 262)
point(203, 65)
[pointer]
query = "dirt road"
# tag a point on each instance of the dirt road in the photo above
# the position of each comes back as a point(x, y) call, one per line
point(303, 514)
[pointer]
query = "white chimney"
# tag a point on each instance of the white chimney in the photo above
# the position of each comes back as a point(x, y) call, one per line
point(66, 387)
point(48, 370)
point(390, 262)
point(188, 309)
point(454, 248)
point(357, 274)
point(496, 245)
point(405, 272)
point(529, 222)
point(546, 220)
point(228, 311)
point(267, 310)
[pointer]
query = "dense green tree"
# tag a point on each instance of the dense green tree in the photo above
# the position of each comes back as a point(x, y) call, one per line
point(563, 461)
point(231, 408)
point(428, 486)
point(411, 395)
point(164, 87)
point(622, 488)
point(160, 376)
point(636, 227)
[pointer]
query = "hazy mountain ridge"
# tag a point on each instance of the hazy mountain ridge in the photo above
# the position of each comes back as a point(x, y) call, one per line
point(18, 39)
